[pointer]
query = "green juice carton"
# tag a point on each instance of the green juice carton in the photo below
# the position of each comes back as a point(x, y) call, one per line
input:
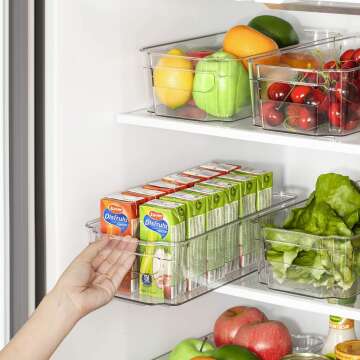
point(195, 213)
point(229, 236)
point(247, 192)
point(161, 266)
point(215, 217)
point(264, 183)
point(245, 229)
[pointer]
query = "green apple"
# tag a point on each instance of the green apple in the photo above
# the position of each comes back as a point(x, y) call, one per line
point(190, 348)
point(233, 352)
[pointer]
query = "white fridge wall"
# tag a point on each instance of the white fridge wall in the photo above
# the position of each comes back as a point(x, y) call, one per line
point(93, 70)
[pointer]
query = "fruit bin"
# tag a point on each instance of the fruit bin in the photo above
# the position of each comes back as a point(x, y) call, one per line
point(326, 267)
point(185, 270)
point(302, 343)
point(312, 90)
point(183, 85)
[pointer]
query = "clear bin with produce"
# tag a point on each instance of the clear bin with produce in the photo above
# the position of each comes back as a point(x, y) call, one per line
point(312, 90)
point(194, 79)
point(307, 264)
point(180, 270)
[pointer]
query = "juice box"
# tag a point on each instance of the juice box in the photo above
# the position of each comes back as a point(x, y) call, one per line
point(148, 194)
point(164, 186)
point(245, 230)
point(230, 237)
point(195, 210)
point(264, 181)
point(201, 174)
point(181, 179)
point(248, 191)
point(162, 267)
point(220, 167)
point(232, 196)
point(119, 215)
point(215, 217)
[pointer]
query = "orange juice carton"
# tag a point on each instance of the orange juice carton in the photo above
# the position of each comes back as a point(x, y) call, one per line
point(120, 216)
point(165, 186)
point(221, 167)
point(201, 174)
point(148, 194)
point(181, 179)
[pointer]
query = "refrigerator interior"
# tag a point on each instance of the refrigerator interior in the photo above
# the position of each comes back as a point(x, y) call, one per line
point(93, 70)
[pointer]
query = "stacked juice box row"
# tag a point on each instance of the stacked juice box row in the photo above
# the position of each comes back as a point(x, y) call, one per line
point(176, 219)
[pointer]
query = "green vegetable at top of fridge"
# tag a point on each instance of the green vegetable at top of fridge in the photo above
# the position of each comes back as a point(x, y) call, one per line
point(221, 85)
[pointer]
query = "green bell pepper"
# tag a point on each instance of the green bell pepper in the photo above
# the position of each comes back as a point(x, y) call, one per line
point(221, 85)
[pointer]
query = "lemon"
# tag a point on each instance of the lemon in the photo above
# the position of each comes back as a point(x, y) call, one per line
point(173, 79)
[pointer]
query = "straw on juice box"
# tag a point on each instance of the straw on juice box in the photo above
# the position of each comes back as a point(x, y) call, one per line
point(221, 167)
point(230, 237)
point(195, 213)
point(165, 186)
point(119, 215)
point(161, 266)
point(264, 181)
point(215, 217)
point(200, 173)
point(148, 194)
point(181, 179)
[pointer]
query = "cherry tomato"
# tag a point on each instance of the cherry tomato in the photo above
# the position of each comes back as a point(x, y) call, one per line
point(353, 123)
point(199, 53)
point(348, 64)
point(347, 91)
point(271, 115)
point(278, 91)
point(335, 116)
point(317, 98)
point(332, 65)
point(356, 56)
point(299, 93)
point(300, 116)
point(311, 77)
point(347, 55)
point(300, 60)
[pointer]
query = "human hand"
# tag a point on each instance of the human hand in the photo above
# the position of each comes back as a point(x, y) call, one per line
point(92, 279)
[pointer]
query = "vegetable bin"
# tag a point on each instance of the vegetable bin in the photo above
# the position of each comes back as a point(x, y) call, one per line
point(306, 264)
point(186, 269)
point(194, 79)
point(312, 90)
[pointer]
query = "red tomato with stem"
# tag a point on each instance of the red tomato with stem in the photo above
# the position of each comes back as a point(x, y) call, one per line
point(317, 98)
point(301, 116)
point(335, 116)
point(347, 55)
point(299, 94)
point(271, 115)
point(278, 91)
point(356, 56)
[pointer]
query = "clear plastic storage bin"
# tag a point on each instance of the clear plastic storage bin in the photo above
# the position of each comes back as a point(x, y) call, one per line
point(302, 343)
point(184, 270)
point(288, 96)
point(305, 264)
point(184, 85)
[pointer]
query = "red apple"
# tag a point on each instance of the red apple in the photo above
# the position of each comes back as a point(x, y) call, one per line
point(230, 321)
point(270, 340)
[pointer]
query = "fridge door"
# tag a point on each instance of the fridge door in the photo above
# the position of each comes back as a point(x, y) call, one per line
point(4, 170)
